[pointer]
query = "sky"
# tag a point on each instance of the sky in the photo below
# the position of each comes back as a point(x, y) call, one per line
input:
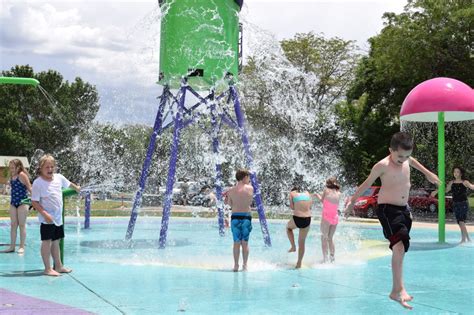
point(114, 45)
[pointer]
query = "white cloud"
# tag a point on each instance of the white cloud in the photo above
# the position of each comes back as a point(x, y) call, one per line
point(110, 53)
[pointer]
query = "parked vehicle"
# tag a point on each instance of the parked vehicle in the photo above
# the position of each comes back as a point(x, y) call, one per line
point(192, 188)
point(421, 199)
point(205, 198)
point(418, 199)
point(366, 204)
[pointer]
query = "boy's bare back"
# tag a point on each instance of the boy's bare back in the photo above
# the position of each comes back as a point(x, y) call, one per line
point(240, 197)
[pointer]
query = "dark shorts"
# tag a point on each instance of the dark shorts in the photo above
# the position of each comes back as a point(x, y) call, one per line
point(302, 222)
point(460, 209)
point(396, 224)
point(51, 232)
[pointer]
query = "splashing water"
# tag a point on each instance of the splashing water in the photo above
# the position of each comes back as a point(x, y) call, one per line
point(298, 150)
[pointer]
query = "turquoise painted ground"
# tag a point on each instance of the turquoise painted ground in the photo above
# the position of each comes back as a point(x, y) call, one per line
point(193, 274)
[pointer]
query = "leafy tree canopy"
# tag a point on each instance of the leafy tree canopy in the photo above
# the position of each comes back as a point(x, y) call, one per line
point(45, 117)
point(429, 39)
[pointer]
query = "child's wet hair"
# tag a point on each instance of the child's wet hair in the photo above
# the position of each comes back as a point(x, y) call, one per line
point(19, 166)
point(296, 188)
point(461, 170)
point(241, 173)
point(45, 158)
point(332, 183)
point(402, 140)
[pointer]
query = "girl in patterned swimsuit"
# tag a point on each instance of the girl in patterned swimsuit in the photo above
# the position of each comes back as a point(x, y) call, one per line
point(330, 199)
point(20, 185)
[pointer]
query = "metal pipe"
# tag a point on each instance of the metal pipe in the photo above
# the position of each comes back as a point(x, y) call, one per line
point(87, 210)
point(253, 177)
point(215, 149)
point(157, 128)
point(441, 175)
point(172, 167)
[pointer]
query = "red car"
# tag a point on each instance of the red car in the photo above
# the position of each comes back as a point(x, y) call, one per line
point(420, 199)
point(367, 203)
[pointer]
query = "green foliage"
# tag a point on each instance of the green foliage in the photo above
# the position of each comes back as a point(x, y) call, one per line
point(32, 120)
point(112, 156)
point(429, 39)
point(290, 97)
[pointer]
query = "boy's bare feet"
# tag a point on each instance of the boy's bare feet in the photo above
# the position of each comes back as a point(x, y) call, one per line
point(398, 298)
point(244, 268)
point(292, 249)
point(51, 272)
point(21, 250)
point(407, 297)
point(10, 250)
point(236, 268)
point(298, 265)
point(63, 270)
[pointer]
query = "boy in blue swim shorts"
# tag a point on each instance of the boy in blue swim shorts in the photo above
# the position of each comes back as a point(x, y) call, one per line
point(240, 198)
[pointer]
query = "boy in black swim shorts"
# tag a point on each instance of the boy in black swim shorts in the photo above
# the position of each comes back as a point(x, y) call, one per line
point(395, 218)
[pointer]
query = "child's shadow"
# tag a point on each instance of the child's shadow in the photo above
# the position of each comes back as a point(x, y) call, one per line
point(22, 273)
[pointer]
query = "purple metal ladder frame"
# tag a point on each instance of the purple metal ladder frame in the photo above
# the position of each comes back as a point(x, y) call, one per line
point(180, 122)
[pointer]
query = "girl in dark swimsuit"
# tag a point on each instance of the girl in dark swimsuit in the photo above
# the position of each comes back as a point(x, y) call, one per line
point(458, 188)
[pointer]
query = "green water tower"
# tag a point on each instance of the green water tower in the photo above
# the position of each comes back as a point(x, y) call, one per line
point(200, 39)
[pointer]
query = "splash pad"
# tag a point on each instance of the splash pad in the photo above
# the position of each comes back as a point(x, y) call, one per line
point(113, 276)
point(193, 274)
point(439, 100)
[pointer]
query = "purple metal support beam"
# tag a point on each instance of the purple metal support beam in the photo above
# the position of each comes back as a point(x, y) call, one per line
point(87, 210)
point(178, 125)
point(215, 149)
point(253, 177)
point(157, 128)
point(225, 117)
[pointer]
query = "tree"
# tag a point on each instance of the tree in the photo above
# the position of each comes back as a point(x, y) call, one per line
point(429, 39)
point(46, 117)
point(289, 93)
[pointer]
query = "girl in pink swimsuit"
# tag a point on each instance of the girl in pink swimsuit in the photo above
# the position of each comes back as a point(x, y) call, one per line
point(330, 199)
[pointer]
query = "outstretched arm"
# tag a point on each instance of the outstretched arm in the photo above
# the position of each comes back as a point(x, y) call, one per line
point(375, 173)
point(468, 184)
point(77, 188)
point(448, 189)
point(318, 196)
point(431, 177)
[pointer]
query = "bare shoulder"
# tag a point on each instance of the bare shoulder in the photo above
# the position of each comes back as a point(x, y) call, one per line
point(249, 187)
point(383, 162)
point(23, 176)
point(381, 165)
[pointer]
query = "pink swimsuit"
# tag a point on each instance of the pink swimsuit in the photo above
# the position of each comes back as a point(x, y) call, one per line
point(330, 212)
